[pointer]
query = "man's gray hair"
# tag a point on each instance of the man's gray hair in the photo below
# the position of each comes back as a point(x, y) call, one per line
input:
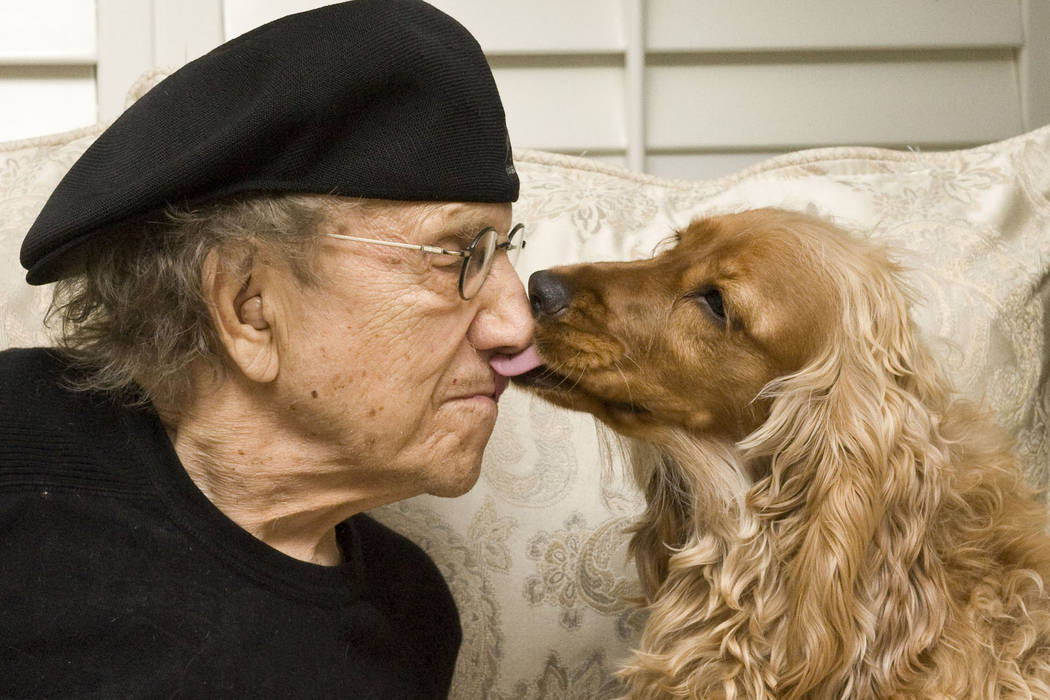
point(134, 317)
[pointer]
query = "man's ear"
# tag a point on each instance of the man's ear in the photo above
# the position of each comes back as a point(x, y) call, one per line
point(241, 311)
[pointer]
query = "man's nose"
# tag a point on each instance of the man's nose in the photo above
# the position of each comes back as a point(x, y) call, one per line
point(503, 322)
point(549, 293)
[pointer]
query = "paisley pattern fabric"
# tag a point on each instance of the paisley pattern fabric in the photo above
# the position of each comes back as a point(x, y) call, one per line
point(535, 554)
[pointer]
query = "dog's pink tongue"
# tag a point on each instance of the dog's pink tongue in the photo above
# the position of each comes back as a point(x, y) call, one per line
point(513, 365)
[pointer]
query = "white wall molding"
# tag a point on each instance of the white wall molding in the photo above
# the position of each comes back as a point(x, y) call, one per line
point(634, 24)
point(1034, 64)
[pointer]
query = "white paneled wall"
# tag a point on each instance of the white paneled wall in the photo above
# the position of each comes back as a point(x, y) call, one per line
point(728, 104)
point(135, 36)
point(47, 66)
point(698, 88)
point(686, 88)
point(784, 25)
point(730, 82)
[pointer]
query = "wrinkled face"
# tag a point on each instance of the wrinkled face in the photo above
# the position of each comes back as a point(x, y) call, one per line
point(386, 364)
point(689, 337)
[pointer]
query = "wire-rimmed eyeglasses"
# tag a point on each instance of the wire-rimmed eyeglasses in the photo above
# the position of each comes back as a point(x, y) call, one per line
point(477, 257)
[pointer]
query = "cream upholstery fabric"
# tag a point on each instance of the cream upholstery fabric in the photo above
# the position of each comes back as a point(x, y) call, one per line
point(535, 553)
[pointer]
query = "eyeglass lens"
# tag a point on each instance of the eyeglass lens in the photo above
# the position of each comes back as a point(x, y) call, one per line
point(476, 265)
point(482, 252)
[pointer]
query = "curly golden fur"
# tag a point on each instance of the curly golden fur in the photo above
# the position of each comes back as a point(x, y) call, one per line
point(824, 518)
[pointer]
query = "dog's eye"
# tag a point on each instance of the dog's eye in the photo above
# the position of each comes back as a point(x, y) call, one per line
point(712, 297)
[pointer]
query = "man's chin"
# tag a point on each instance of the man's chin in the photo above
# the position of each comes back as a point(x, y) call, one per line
point(456, 480)
point(453, 490)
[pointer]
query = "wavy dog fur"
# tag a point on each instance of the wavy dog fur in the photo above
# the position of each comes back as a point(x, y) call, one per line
point(824, 518)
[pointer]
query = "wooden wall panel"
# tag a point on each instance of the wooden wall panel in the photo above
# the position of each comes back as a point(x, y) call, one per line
point(45, 99)
point(832, 99)
point(776, 25)
point(572, 109)
point(47, 31)
point(541, 26)
point(47, 67)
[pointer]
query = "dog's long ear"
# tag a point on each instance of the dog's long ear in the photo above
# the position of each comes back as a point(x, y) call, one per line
point(682, 502)
point(663, 524)
point(847, 495)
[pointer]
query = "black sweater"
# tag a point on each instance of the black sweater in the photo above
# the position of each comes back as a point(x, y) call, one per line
point(118, 578)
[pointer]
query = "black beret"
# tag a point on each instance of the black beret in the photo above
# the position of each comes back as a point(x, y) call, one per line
point(386, 99)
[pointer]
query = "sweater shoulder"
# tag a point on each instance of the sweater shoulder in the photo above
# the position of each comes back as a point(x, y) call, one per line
point(53, 434)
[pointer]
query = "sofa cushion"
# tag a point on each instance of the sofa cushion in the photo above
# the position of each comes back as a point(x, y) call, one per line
point(535, 553)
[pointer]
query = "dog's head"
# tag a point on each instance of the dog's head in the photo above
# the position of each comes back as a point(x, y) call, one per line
point(793, 441)
point(689, 337)
point(767, 367)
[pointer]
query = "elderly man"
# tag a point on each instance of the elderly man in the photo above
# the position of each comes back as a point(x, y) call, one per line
point(285, 298)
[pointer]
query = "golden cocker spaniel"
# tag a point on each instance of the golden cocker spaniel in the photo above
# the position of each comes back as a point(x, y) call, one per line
point(824, 519)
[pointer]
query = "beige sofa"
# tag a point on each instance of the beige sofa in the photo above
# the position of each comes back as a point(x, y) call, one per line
point(535, 554)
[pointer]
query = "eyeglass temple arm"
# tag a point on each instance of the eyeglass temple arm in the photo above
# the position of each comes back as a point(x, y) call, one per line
point(397, 244)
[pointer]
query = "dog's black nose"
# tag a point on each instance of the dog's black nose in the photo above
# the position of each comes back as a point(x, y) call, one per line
point(549, 293)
